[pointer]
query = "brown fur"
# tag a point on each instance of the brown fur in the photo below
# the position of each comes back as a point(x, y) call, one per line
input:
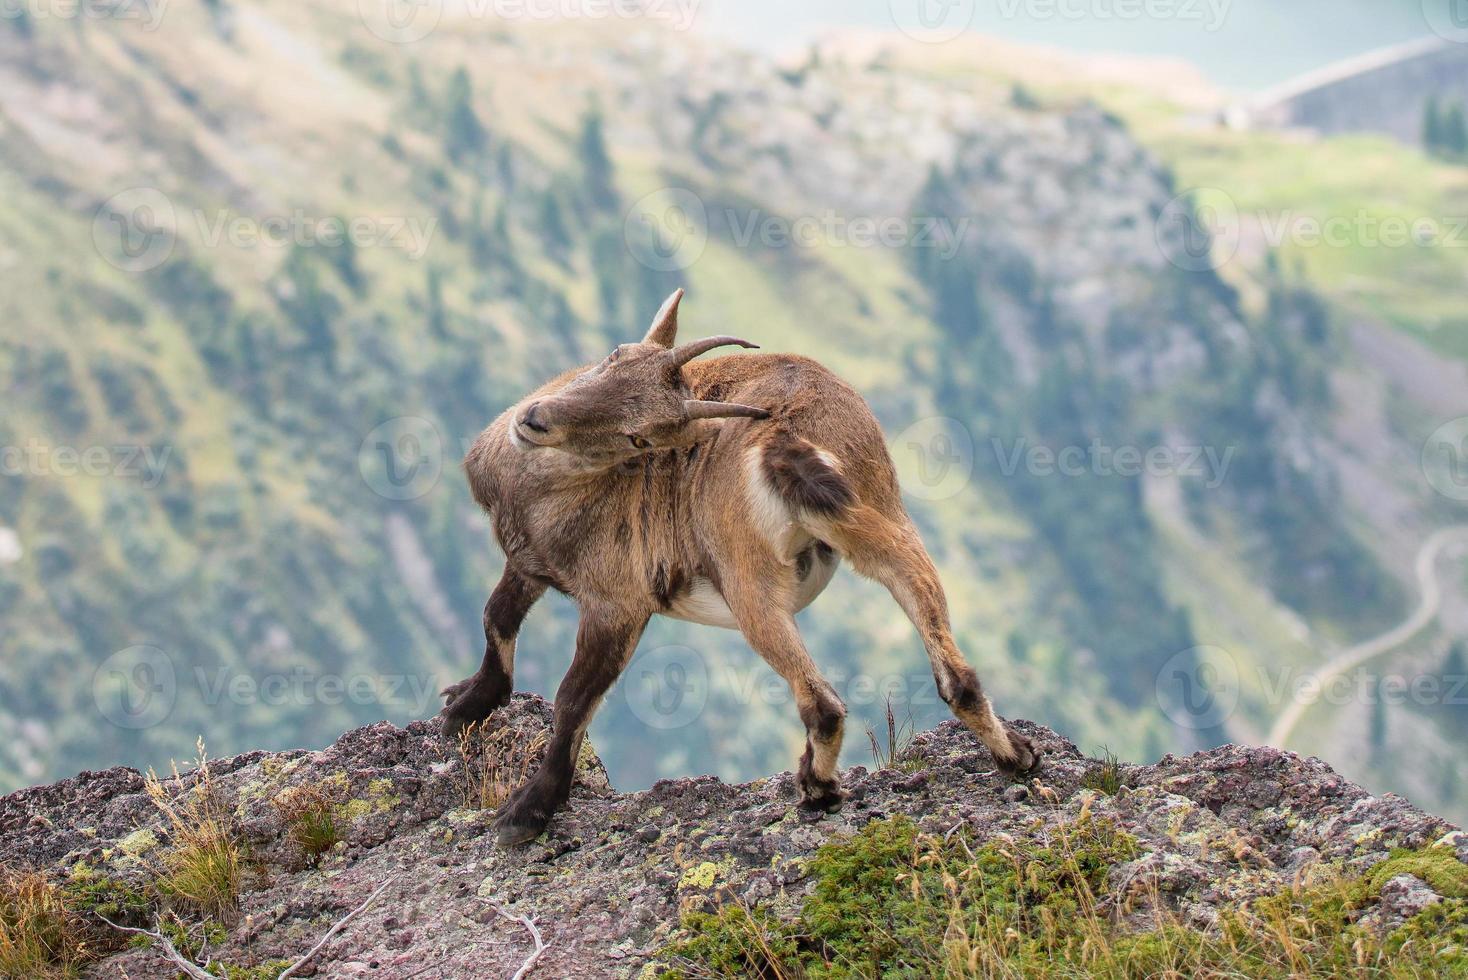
point(613, 485)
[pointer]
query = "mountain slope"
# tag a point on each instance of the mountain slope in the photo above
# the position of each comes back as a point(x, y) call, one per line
point(1008, 284)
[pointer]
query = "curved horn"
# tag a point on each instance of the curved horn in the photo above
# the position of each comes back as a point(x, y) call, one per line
point(723, 410)
point(664, 329)
point(687, 352)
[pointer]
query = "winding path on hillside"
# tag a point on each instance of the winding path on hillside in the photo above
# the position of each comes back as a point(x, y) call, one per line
point(1353, 657)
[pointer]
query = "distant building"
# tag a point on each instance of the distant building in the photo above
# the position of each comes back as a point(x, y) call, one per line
point(1384, 91)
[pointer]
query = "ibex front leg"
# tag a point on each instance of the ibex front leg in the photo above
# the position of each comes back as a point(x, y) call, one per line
point(475, 698)
point(604, 645)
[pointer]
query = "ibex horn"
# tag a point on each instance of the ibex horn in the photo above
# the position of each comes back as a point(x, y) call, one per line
point(664, 328)
point(723, 410)
point(683, 354)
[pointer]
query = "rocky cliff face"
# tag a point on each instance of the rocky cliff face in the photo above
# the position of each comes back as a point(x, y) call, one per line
point(607, 885)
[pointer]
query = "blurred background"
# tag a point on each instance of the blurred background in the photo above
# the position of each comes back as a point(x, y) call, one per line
point(1161, 302)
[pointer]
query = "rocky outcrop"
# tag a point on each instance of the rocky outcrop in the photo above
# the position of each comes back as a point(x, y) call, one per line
point(607, 884)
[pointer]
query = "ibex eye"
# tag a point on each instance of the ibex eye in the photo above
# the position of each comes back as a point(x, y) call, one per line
point(639, 443)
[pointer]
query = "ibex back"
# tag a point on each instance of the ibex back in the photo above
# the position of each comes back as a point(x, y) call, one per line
point(722, 492)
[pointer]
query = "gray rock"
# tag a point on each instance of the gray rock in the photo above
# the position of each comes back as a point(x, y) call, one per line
point(607, 884)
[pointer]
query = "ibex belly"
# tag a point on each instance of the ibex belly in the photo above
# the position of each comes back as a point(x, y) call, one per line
point(703, 604)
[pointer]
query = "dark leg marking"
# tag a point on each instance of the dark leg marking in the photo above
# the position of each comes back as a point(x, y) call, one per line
point(604, 644)
point(475, 698)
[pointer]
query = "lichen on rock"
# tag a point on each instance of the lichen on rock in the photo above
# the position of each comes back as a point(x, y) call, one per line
point(613, 880)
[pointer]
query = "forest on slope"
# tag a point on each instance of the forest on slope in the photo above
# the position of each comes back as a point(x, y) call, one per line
point(268, 273)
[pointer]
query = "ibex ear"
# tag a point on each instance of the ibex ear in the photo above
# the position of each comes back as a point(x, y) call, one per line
point(665, 325)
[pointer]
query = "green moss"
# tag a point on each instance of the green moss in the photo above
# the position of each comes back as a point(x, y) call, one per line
point(94, 893)
point(1439, 867)
point(894, 902)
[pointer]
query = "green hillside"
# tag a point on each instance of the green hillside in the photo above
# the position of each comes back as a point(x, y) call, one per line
point(302, 266)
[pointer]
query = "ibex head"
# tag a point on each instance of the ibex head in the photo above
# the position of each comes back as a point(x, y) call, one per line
point(632, 403)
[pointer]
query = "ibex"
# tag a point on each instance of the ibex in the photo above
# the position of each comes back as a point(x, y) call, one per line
point(723, 492)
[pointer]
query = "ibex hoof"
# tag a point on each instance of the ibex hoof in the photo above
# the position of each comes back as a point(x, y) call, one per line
point(1024, 762)
point(513, 835)
point(470, 702)
point(821, 796)
point(523, 818)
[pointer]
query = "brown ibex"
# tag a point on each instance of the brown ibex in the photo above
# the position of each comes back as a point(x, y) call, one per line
point(722, 492)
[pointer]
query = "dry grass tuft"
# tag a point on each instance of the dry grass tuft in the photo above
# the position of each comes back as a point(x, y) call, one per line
point(202, 866)
point(892, 752)
point(309, 813)
point(496, 763)
point(41, 936)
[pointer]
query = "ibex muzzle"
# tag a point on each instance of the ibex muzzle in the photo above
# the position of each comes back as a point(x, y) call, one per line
point(723, 492)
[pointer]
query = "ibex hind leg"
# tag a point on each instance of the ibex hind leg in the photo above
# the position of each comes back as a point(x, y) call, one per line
point(889, 550)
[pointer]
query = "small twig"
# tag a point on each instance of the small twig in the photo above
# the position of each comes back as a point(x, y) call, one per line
point(169, 950)
point(193, 970)
point(290, 971)
point(529, 925)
